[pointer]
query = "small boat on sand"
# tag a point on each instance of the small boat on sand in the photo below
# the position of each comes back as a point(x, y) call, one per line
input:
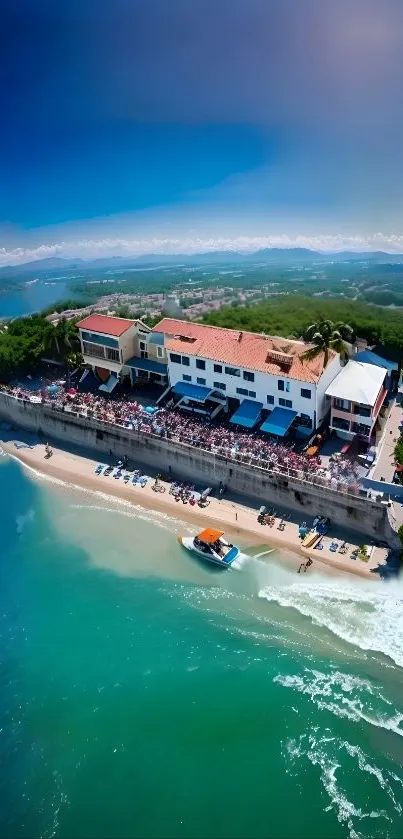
point(212, 547)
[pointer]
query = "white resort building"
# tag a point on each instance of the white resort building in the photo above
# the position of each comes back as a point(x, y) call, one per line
point(257, 380)
point(207, 369)
point(249, 373)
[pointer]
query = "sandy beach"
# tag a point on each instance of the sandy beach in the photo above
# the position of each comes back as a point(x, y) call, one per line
point(236, 519)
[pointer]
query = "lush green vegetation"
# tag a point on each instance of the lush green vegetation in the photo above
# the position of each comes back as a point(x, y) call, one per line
point(291, 315)
point(25, 340)
point(399, 451)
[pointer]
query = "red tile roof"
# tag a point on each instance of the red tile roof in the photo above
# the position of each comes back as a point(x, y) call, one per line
point(249, 350)
point(105, 324)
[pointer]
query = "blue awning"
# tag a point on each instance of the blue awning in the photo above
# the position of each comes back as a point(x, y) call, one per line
point(147, 364)
point(196, 392)
point(247, 414)
point(279, 421)
point(110, 384)
point(369, 357)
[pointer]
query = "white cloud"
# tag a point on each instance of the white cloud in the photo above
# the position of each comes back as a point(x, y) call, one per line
point(93, 248)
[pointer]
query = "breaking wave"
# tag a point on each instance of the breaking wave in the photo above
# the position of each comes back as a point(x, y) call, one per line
point(367, 616)
point(347, 696)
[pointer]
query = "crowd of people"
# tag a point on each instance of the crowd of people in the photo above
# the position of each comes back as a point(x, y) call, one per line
point(218, 436)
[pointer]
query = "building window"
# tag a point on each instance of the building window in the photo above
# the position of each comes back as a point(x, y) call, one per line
point(200, 364)
point(270, 399)
point(242, 391)
point(252, 394)
point(342, 424)
point(249, 377)
point(113, 355)
point(306, 393)
point(143, 345)
point(93, 351)
point(201, 381)
point(185, 361)
point(218, 368)
point(342, 405)
point(220, 385)
point(280, 384)
point(176, 359)
point(285, 403)
point(362, 410)
point(305, 420)
point(360, 428)
point(232, 371)
point(186, 378)
point(105, 340)
point(160, 352)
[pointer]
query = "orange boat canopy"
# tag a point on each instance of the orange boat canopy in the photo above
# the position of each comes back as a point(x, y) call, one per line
point(209, 536)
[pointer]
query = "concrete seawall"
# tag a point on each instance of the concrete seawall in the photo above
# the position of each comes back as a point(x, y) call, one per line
point(355, 512)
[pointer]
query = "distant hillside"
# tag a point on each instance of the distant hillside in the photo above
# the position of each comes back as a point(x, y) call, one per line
point(265, 256)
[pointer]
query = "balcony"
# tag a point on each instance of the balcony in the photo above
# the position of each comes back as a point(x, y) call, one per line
point(340, 423)
point(101, 353)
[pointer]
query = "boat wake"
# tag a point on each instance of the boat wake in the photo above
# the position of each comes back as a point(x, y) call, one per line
point(369, 616)
point(337, 762)
point(346, 696)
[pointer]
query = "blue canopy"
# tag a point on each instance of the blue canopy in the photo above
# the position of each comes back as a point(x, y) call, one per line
point(110, 384)
point(247, 414)
point(196, 392)
point(279, 421)
point(369, 357)
point(147, 364)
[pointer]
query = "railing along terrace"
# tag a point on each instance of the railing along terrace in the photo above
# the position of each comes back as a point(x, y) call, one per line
point(341, 487)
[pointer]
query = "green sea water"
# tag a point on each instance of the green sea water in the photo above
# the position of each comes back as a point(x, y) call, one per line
point(144, 695)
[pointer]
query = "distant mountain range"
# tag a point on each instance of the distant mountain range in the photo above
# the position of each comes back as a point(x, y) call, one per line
point(266, 256)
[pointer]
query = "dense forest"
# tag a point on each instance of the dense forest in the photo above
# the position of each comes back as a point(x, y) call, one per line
point(24, 341)
point(289, 316)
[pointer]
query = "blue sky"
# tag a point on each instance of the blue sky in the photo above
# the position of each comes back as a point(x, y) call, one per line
point(130, 126)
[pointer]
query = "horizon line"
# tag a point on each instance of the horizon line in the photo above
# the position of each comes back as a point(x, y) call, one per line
point(121, 248)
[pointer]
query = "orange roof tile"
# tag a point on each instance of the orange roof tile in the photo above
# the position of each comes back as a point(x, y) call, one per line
point(249, 350)
point(105, 324)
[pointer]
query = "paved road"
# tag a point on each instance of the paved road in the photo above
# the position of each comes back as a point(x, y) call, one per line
point(385, 463)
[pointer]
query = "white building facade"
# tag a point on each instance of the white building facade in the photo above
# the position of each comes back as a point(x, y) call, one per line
point(236, 370)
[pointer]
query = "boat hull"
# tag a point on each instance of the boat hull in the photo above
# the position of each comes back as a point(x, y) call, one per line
point(188, 543)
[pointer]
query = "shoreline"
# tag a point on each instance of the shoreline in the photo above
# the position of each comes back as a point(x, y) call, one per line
point(238, 519)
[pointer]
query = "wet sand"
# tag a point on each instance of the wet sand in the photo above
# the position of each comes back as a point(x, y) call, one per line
point(235, 519)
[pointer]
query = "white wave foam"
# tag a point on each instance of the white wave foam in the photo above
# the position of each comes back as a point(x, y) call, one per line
point(24, 519)
point(131, 511)
point(369, 616)
point(136, 510)
point(329, 754)
point(346, 696)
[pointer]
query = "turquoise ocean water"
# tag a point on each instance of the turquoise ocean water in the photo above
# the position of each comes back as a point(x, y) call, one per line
point(143, 695)
point(32, 298)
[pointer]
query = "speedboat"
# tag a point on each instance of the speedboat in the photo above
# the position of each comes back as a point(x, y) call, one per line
point(212, 547)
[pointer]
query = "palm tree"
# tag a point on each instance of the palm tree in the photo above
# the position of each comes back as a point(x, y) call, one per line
point(326, 335)
point(73, 359)
point(61, 338)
